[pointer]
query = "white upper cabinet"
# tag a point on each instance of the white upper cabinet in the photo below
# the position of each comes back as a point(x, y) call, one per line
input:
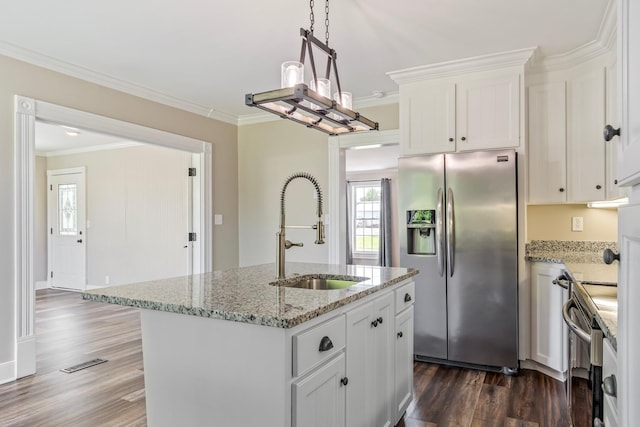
point(547, 143)
point(612, 189)
point(488, 112)
point(465, 105)
point(585, 145)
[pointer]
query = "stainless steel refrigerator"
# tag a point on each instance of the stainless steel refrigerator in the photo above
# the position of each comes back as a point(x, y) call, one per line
point(459, 227)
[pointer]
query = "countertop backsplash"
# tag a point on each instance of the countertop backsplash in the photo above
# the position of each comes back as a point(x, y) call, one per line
point(571, 251)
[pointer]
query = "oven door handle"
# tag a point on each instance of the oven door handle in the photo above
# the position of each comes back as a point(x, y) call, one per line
point(580, 333)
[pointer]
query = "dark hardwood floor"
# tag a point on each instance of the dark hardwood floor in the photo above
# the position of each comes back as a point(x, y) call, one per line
point(70, 331)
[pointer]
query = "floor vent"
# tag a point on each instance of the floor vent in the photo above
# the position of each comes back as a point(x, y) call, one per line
point(83, 365)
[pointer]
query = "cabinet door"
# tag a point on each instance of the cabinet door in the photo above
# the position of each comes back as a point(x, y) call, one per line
point(612, 190)
point(403, 362)
point(547, 143)
point(427, 117)
point(585, 150)
point(369, 363)
point(548, 330)
point(629, 101)
point(488, 113)
point(319, 398)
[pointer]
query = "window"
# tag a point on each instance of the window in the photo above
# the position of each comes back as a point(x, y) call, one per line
point(67, 210)
point(365, 218)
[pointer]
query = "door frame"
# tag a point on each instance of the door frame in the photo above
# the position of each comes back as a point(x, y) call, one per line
point(337, 199)
point(27, 110)
point(58, 172)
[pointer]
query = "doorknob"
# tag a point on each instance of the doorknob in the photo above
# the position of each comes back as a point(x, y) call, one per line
point(79, 240)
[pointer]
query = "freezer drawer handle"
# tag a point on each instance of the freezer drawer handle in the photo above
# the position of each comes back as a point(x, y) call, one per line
point(407, 297)
point(325, 344)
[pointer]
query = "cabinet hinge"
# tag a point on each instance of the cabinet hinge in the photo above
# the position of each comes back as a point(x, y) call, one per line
point(52, 274)
point(192, 171)
point(192, 237)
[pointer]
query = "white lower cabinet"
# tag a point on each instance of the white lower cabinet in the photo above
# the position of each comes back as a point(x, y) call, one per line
point(368, 380)
point(548, 330)
point(404, 362)
point(318, 400)
point(610, 384)
point(370, 363)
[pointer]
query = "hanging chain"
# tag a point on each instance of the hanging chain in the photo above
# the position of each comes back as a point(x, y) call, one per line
point(311, 17)
point(326, 23)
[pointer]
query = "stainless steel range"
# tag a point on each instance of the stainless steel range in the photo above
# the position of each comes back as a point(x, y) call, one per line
point(586, 338)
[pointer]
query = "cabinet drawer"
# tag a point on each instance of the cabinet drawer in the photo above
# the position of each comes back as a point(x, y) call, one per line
point(405, 295)
point(315, 345)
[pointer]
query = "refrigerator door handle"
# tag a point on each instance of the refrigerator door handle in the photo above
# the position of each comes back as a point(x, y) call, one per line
point(451, 235)
point(440, 231)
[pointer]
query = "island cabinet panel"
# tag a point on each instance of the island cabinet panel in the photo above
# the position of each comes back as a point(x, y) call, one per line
point(319, 398)
point(370, 363)
point(316, 345)
point(403, 362)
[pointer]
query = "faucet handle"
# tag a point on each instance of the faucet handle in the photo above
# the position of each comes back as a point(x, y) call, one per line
point(319, 232)
point(288, 244)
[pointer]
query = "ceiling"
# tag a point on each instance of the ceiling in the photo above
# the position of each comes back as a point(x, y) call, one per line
point(54, 139)
point(205, 56)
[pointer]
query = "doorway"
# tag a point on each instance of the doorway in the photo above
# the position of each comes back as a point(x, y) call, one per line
point(27, 110)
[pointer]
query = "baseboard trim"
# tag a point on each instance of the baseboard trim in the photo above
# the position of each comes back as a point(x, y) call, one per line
point(535, 366)
point(42, 284)
point(26, 356)
point(7, 372)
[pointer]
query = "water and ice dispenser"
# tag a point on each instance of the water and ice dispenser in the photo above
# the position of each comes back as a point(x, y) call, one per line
point(421, 232)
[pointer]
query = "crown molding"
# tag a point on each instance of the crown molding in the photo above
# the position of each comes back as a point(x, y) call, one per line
point(105, 80)
point(518, 57)
point(363, 102)
point(605, 42)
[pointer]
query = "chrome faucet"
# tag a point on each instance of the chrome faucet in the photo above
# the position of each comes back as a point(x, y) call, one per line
point(283, 243)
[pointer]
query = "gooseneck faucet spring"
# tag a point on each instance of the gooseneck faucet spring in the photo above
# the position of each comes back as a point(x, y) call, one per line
point(283, 243)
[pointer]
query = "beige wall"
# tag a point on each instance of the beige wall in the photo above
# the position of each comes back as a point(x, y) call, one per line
point(40, 221)
point(17, 77)
point(267, 154)
point(553, 222)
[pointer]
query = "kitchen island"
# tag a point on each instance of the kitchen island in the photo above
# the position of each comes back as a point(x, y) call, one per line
point(231, 348)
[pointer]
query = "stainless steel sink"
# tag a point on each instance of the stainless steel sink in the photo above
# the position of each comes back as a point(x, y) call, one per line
point(320, 282)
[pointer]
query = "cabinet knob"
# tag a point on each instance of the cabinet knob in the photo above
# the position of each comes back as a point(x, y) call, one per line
point(380, 320)
point(463, 139)
point(610, 386)
point(344, 381)
point(608, 256)
point(561, 190)
point(400, 334)
point(375, 323)
point(407, 297)
point(609, 132)
point(598, 187)
point(450, 139)
point(615, 181)
point(325, 344)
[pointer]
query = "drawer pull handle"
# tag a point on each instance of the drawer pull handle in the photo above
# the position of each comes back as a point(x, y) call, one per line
point(325, 344)
point(609, 385)
point(344, 381)
point(380, 320)
point(375, 323)
point(400, 334)
point(407, 297)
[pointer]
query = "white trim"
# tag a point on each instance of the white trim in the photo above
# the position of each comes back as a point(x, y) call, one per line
point(492, 61)
point(111, 82)
point(7, 372)
point(533, 365)
point(25, 356)
point(26, 112)
point(336, 229)
point(67, 171)
point(79, 150)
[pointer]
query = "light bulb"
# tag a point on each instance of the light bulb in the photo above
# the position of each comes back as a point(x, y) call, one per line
point(291, 74)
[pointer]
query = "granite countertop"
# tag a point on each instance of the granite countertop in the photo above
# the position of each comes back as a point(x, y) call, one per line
point(583, 261)
point(246, 295)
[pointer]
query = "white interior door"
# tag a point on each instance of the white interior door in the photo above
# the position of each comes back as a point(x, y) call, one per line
point(66, 206)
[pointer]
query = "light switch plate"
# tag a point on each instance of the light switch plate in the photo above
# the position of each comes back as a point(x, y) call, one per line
point(217, 219)
point(577, 223)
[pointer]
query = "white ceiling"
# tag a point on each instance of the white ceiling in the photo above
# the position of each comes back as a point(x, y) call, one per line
point(205, 56)
point(54, 139)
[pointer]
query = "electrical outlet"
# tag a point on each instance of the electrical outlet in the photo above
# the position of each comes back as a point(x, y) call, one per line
point(107, 280)
point(577, 223)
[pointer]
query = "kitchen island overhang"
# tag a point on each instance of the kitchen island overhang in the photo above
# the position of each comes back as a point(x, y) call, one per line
point(220, 348)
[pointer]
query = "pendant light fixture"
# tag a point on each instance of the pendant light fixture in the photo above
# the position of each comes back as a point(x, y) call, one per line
point(312, 105)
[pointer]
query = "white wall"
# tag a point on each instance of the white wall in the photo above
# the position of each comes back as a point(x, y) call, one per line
point(137, 208)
